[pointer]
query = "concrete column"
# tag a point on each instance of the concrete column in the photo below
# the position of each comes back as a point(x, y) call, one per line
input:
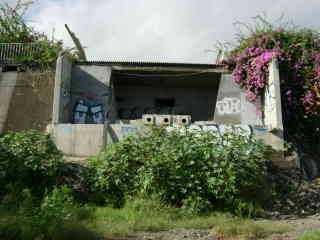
point(272, 99)
point(8, 82)
point(62, 95)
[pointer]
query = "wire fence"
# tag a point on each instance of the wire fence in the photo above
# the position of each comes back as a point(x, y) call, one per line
point(11, 52)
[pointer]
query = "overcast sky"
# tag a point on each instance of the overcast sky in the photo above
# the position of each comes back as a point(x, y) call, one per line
point(160, 30)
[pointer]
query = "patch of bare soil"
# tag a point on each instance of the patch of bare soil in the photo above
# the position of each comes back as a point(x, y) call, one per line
point(177, 234)
point(298, 227)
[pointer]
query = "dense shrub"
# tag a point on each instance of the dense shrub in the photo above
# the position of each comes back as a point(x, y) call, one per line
point(197, 171)
point(29, 159)
point(34, 203)
point(56, 217)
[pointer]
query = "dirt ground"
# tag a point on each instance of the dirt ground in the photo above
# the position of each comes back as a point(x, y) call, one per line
point(298, 227)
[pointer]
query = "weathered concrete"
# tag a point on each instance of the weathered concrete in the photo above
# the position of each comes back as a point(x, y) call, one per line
point(272, 99)
point(7, 85)
point(62, 95)
point(31, 101)
point(91, 84)
point(200, 96)
point(232, 106)
point(79, 140)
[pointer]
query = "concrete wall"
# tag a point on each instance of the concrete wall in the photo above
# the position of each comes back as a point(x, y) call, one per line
point(193, 95)
point(92, 85)
point(72, 83)
point(26, 100)
point(7, 86)
point(233, 107)
point(62, 92)
point(79, 140)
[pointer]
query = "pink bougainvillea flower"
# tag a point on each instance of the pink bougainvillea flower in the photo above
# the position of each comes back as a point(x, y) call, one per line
point(308, 98)
point(267, 56)
point(251, 96)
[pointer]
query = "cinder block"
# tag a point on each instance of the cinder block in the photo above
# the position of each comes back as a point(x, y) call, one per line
point(182, 120)
point(148, 119)
point(163, 120)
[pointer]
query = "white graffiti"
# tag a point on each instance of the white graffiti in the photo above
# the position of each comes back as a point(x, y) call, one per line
point(220, 129)
point(228, 106)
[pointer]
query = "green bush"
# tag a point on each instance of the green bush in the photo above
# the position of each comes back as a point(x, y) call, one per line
point(5, 157)
point(29, 159)
point(197, 171)
point(56, 217)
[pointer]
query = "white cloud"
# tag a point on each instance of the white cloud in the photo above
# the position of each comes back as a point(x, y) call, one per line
point(167, 30)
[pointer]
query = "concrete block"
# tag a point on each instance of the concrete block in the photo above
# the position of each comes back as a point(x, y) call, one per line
point(182, 120)
point(148, 119)
point(163, 120)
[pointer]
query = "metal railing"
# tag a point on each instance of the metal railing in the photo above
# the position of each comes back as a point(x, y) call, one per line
point(11, 52)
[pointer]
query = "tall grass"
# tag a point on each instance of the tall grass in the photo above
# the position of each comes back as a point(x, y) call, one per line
point(150, 215)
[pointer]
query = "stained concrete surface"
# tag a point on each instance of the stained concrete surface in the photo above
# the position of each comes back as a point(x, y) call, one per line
point(30, 103)
point(8, 82)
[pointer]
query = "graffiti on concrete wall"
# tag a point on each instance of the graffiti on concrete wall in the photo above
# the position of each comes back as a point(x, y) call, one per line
point(229, 105)
point(220, 129)
point(86, 112)
point(128, 129)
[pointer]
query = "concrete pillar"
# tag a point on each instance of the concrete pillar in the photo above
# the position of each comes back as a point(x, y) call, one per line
point(272, 99)
point(8, 82)
point(62, 95)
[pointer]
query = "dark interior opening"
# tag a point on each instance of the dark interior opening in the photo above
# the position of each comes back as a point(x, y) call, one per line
point(182, 93)
point(164, 102)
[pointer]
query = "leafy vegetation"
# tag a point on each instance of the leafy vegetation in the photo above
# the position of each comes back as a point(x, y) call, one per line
point(33, 206)
point(243, 229)
point(152, 215)
point(153, 180)
point(314, 235)
point(56, 217)
point(14, 29)
point(29, 160)
point(298, 53)
point(196, 171)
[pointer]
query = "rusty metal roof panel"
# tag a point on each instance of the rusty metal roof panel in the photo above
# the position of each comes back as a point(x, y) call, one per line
point(151, 64)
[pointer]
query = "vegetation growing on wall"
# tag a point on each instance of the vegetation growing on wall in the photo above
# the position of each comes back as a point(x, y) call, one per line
point(15, 29)
point(298, 53)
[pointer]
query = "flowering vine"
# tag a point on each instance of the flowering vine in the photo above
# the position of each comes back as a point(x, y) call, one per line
point(298, 54)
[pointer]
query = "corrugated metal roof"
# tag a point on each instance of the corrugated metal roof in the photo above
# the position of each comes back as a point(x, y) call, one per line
point(151, 64)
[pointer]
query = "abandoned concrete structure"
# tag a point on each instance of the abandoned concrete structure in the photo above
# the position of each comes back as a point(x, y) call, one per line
point(97, 103)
